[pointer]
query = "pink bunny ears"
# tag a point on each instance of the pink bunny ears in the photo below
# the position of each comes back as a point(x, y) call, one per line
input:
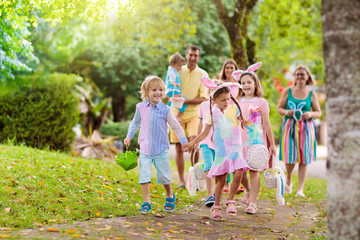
point(237, 74)
point(210, 84)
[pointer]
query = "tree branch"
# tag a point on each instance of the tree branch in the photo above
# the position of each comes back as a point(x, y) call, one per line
point(221, 11)
point(239, 8)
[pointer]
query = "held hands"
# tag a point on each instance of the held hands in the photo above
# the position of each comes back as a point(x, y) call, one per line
point(127, 141)
point(187, 147)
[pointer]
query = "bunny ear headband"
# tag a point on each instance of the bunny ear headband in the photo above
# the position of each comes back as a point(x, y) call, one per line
point(210, 84)
point(237, 74)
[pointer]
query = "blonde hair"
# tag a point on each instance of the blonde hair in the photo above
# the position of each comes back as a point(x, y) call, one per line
point(258, 89)
point(222, 72)
point(176, 58)
point(310, 80)
point(149, 82)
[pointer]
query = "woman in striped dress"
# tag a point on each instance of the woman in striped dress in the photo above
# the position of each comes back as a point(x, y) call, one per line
point(298, 137)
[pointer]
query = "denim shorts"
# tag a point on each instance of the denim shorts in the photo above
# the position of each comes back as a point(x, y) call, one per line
point(162, 165)
point(208, 155)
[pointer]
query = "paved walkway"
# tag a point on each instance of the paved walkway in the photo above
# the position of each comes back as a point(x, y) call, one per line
point(316, 170)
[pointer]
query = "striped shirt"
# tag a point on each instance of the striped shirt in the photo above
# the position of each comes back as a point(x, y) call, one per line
point(152, 120)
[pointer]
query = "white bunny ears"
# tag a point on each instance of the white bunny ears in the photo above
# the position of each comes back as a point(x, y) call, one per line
point(237, 74)
point(210, 84)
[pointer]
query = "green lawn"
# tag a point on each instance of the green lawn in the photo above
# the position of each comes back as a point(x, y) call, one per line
point(40, 187)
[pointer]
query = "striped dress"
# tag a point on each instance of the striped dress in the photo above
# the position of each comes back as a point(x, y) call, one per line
point(298, 138)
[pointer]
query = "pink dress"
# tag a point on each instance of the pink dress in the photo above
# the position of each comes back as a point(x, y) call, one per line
point(228, 154)
point(254, 129)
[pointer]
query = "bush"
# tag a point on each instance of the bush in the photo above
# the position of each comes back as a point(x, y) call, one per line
point(41, 115)
point(119, 129)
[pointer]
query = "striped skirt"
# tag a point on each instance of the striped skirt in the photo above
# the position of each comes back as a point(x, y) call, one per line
point(297, 141)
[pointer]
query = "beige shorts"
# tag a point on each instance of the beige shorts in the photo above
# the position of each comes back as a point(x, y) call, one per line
point(190, 126)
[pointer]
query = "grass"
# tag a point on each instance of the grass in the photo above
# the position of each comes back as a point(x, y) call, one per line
point(39, 187)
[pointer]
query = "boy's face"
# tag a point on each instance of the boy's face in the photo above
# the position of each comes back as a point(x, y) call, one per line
point(155, 94)
point(177, 66)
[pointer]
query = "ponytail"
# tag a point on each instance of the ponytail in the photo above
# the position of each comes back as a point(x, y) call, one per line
point(242, 118)
point(211, 115)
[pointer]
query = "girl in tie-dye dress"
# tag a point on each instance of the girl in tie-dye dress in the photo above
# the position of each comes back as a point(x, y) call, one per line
point(226, 120)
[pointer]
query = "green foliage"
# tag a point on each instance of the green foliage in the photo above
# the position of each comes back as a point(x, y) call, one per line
point(45, 188)
point(120, 129)
point(210, 36)
point(14, 48)
point(41, 115)
point(288, 35)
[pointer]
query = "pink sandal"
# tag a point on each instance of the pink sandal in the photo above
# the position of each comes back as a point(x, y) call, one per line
point(216, 215)
point(251, 209)
point(246, 200)
point(230, 210)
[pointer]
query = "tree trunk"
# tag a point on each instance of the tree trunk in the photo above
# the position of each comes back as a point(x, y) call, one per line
point(242, 48)
point(118, 107)
point(341, 41)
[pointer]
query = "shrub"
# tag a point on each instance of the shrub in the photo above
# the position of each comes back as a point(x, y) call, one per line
point(119, 129)
point(41, 115)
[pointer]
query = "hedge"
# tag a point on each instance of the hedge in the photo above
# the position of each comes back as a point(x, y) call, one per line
point(41, 114)
point(119, 129)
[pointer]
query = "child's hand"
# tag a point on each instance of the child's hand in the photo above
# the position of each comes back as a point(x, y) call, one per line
point(127, 141)
point(197, 147)
point(272, 149)
point(186, 147)
point(174, 84)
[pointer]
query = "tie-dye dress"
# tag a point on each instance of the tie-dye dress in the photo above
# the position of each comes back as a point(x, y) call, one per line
point(298, 137)
point(227, 140)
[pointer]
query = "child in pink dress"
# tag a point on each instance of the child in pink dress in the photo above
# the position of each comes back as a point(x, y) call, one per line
point(225, 119)
point(256, 110)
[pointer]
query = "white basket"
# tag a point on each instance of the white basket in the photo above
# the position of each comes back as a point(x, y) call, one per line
point(199, 173)
point(177, 102)
point(257, 156)
point(270, 181)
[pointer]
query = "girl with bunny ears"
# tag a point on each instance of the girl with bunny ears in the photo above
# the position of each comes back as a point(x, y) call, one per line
point(225, 119)
point(256, 109)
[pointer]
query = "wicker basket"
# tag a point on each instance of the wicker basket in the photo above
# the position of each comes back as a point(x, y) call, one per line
point(257, 156)
point(270, 178)
point(199, 172)
point(177, 101)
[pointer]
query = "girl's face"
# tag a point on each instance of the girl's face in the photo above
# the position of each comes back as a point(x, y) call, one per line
point(222, 101)
point(229, 69)
point(301, 77)
point(248, 85)
point(155, 94)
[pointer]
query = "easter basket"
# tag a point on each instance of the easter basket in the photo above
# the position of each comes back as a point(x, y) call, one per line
point(198, 168)
point(274, 178)
point(257, 156)
point(177, 101)
point(127, 160)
